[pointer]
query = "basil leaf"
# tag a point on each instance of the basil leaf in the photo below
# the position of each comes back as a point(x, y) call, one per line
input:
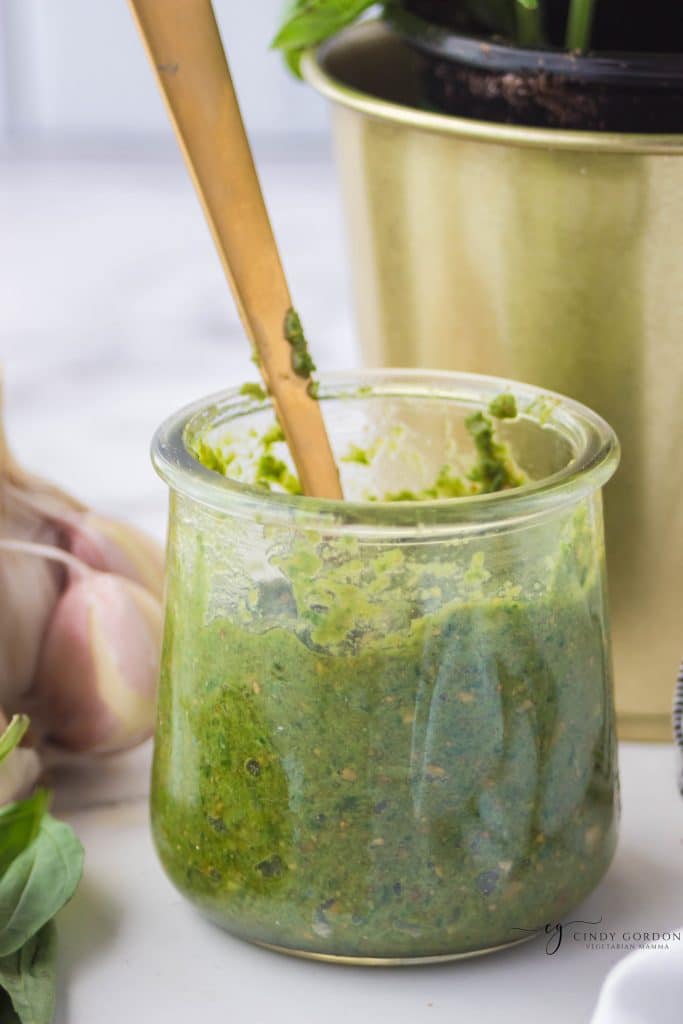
point(19, 825)
point(38, 882)
point(28, 977)
point(12, 735)
point(309, 22)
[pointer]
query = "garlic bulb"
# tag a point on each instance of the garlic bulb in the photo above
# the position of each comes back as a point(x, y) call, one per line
point(29, 587)
point(117, 547)
point(96, 679)
point(80, 616)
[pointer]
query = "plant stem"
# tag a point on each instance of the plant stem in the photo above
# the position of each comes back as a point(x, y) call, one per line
point(579, 24)
point(529, 25)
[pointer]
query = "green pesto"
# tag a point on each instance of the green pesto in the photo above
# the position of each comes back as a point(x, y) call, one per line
point(504, 407)
point(493, 470)
point(275, 435)
point(339, 768)
point(357, 454)
point(270, 470)
point(446, 485)
point(213, 458)
point(251, 390)
point(302, 360)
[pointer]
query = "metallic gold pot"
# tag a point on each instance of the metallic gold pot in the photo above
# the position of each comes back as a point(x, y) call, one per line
point(548, 256)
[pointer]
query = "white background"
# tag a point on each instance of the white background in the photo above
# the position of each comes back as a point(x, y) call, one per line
point(73, 73)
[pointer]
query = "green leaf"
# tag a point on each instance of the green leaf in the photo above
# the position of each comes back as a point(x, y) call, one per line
point(579, 24)
point(529, 30)
point(19, 825)
point(12, 735)
point(38, 883)
point(28, 977)
point(309, 22)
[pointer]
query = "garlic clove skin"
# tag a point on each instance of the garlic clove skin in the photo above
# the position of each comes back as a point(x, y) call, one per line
point(29, 590)
point(116, 547)
point(19, 771)
point(29, 587)
point(95, 684)
point(80, 615)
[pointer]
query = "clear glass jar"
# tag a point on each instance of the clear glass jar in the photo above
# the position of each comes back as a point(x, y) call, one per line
point(385, 730)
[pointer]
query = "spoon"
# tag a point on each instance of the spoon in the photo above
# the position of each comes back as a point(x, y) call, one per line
point(184, 46)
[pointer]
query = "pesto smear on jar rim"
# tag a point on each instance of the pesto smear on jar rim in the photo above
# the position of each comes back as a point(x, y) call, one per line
point(264, 460)
point(213, 450)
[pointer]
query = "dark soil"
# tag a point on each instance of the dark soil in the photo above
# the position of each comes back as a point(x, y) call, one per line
point(619, 25)
point(537, 96)
point(532, 98)
point(541, 99)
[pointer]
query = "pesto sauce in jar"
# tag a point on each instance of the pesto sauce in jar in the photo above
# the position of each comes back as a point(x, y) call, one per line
point(373, 759)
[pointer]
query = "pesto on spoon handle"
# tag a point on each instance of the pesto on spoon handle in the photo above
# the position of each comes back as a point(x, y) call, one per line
point(185, 49)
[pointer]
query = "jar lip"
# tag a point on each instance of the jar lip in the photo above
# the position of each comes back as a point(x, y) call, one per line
point(596, 456)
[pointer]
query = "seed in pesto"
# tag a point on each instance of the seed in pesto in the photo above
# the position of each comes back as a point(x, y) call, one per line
point(271, 868)
point(302, 361)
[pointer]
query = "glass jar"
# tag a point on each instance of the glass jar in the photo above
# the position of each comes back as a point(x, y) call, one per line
point(385, 729)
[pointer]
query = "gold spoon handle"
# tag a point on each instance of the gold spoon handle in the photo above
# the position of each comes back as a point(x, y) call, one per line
point(185, 49)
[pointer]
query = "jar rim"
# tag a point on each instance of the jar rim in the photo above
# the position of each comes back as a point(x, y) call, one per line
point(594, 443)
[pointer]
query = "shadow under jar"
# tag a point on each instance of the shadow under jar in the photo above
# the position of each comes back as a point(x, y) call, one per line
point(385, 729)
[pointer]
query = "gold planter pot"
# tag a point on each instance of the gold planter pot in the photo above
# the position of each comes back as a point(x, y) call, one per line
point(548, 256)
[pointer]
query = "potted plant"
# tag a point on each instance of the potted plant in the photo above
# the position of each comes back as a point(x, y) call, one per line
point(513, 177)
point(586, 64)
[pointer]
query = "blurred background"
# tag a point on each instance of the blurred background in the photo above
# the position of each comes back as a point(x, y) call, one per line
point(74, 74)
point(113, 307)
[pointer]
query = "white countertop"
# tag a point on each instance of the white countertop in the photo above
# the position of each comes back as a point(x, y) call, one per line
point(113, 312)
point(132, 949)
